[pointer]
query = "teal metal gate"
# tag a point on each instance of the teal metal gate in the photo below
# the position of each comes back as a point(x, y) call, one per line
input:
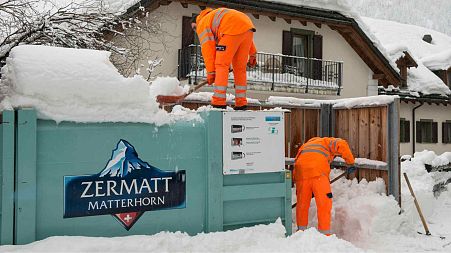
point(36, 155)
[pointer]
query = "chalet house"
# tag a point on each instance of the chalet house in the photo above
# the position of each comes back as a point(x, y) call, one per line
point(316, 52)
point(423, 57)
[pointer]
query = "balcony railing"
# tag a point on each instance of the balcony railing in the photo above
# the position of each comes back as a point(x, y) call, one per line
point(273, 72)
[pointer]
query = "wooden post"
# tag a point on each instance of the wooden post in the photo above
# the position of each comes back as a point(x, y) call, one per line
point(426, 229)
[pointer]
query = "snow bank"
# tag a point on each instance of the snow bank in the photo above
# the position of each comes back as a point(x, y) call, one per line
point(291, 101)
point(81, 85)
point(338, 103)
point(262, 238)
point(205, 96)
point(364, 101)
point(168, 86)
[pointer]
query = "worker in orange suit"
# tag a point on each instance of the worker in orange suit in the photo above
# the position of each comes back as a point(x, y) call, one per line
point(311, 176)
point(226, 38)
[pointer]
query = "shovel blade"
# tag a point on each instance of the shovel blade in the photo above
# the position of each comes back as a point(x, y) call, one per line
point(162, 99)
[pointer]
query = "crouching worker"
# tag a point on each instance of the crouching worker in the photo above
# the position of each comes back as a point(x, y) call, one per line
point(226, 38)
point(311, 174)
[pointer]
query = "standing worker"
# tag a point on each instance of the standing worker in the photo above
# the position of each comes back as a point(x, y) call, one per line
point(226, 37)
point(311, 175)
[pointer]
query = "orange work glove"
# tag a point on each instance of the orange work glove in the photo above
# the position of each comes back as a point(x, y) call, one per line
point(252, 61)
point(211, 77)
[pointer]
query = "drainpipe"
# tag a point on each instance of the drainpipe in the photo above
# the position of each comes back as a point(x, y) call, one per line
point(413, 127)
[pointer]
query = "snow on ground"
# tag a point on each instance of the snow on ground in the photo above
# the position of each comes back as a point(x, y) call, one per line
point(364, 220)
point(82, 85)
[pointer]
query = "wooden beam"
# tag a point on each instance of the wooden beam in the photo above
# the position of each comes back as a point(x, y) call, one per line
point(303, 22)
point(378, 76)
point(287, 20)
point(165, 2)
point(256, 16)
point(185, 5)
point(318, 25)
point(272, 18)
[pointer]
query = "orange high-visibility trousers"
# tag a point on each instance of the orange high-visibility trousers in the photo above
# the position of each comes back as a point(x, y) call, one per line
point(232, 49)
point(320, 187)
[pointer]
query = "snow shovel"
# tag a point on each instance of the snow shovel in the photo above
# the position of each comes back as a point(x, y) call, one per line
point(167, 99)
point(333, 180)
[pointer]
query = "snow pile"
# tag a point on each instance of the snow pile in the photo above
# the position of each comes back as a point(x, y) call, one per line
point(364, 101)
point(291, 101)
point(362, 210)
point(205, 96)
point(397, 38)
point(262, 238)
point(168, 86)
point(430, 158)
point(80, 85)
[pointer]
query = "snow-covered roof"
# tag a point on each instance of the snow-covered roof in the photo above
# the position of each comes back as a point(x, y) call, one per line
point(397, 38)
point(333, 5)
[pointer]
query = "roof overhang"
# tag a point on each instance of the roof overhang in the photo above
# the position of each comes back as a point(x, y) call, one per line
point(428, 99)
point(347, 27)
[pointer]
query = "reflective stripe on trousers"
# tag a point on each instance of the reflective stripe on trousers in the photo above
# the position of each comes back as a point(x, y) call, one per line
point(320, 187)
point(236, 53)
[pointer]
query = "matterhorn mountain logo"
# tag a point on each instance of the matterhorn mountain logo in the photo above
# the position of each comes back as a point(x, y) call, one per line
point(123, 160)
point(125, 189)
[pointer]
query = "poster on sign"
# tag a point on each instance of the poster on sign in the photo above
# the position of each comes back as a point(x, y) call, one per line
point(253, 142)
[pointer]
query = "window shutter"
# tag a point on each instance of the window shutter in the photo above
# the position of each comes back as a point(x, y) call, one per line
point(407, 131)
point(318, 46)
point(287, 43)
point(418, 132)
point(445, 137)
point(317, 54)
point(287, 48)
point(187, 32)
point(434, 132)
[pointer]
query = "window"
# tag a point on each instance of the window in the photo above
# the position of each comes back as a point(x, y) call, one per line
point(302, 43)
point(404, 130)
point(426, 131)
point(446, 131)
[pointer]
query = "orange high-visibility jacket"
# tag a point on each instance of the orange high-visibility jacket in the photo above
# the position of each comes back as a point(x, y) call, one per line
point(213, 24)
point(314, 157)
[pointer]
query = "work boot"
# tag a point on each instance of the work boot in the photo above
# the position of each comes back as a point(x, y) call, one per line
point(240, 108)
point(220, 106)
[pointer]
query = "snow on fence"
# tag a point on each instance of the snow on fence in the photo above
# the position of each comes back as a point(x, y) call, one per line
point(370, 126)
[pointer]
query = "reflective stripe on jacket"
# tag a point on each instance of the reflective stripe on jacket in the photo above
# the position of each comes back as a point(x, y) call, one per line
point(314, 157)
point(213, 24)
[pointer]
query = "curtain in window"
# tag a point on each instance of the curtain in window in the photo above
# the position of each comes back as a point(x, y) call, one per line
point(299, 49)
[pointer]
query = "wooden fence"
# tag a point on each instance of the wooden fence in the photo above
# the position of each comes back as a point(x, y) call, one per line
point(365, 129)
point(372, 133)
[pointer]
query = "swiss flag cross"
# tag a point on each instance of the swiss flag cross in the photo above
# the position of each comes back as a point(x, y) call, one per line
point(128, 219)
